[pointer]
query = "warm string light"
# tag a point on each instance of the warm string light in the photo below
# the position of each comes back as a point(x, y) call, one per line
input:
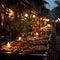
point(48, 25)
point(26, 15)
point(34, 16)
point(19, 38)
point(41, 18)
point(37, 33)
point(47, 20)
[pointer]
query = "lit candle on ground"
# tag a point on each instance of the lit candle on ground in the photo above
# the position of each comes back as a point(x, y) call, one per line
point(8, 45)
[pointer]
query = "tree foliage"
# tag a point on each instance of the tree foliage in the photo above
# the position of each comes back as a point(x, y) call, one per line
point(21, 26)
point(55, 13)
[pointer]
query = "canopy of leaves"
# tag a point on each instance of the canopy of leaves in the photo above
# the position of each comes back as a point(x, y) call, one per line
point(21, 26)
point(55, 13)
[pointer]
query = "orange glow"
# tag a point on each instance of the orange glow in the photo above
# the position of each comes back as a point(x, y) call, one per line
point(48, 25)
point(34, 16)
point(56, 21)
point(19, 38)
point(58, 18)
point(41, 18)
point(26, 15)
point(7, 9)
point(2, 5)
point(37, 33)
point(47, 20)
point(25, 18)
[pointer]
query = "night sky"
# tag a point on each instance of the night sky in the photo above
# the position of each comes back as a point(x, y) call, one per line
point(51, 4)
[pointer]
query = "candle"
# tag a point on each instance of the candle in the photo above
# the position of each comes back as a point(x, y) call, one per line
point(8, 44)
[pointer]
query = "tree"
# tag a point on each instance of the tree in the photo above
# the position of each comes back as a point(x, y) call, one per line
point(55, 13)
point(57, 2)
point(21, 26)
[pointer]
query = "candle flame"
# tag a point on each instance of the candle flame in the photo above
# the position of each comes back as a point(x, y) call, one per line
point(8, 44)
